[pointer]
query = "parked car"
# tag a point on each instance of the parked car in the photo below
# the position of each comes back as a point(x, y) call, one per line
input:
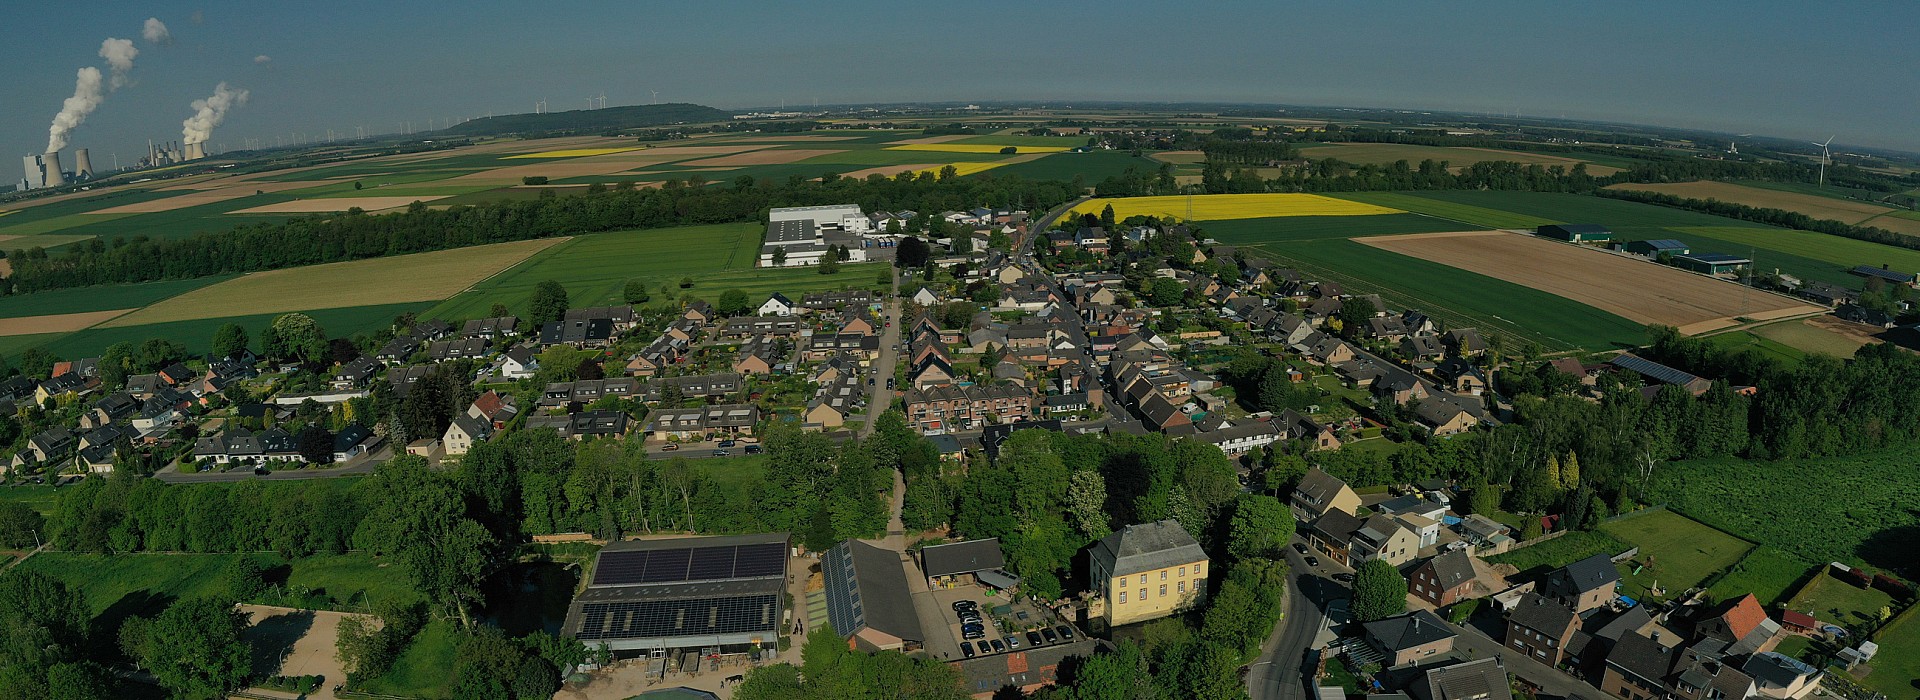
point(1065, 631)
point(1048, 635)
point(670, 447)
point(966, 649)
point(1313, 561)
point(1343, 577)
point(973, 634)
point(1301, 548)
point(1012, 642)
point(1033, 638)
point(753, 449)
point(728, 443)
point(721, 453)
point(261, 471)
point(997, 645)
point(960, 605)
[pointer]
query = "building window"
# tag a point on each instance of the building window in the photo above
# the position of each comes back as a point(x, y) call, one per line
point(1183, 571)
point(1143, 594)
point(1163, 574)
point(1163, 589)
point(1123, 596)
point(1143, 579)
point(1183, 586)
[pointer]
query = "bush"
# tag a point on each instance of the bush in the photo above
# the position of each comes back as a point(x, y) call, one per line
point(534, 180)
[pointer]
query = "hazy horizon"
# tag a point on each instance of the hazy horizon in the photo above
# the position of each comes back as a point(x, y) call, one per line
point(1773, 69)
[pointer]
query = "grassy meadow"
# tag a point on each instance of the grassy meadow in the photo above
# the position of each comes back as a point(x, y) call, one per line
point(1675, 553)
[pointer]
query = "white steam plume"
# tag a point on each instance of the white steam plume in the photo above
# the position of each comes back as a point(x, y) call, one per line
point(86, 97)
point(262, 60)
point(119, 54)
point(156, 32)
point(208, 113)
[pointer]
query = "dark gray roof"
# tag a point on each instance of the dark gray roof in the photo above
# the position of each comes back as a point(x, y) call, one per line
point(1654, 370)
point(1417, 628)
point(1484, 679)
point(962, 557)
point(1570, 581)
point(867, 588)
point(1664, 244)
point(1336, 526)
point(1885, 274)
point(1542, 615)
point(1641, 656)
point(1451, 568)
point(1157, 545)
point(1716, 259)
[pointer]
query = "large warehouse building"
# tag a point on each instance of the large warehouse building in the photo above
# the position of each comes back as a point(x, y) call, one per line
point(718, 595)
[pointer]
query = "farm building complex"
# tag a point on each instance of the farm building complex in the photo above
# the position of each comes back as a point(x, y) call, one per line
point(718, 593)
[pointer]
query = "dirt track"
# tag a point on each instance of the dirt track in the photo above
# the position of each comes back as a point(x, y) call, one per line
point(1634, 289)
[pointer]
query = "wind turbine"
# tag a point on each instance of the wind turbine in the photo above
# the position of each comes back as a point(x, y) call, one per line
point(656, 96)
point(1825, 158)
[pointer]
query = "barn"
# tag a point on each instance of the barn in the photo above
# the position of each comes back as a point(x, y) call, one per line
point(1575, 233)
point(713, 595)
point(1653, 248)
point(1711, 263)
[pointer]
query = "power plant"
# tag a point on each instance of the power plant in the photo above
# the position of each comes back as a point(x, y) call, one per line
point(44, 170)
point(82, 166)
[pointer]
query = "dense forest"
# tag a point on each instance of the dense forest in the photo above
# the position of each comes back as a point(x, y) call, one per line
point(321, 239)
point(588, 121)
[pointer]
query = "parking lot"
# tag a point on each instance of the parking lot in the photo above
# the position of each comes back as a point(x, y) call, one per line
point(999, 619)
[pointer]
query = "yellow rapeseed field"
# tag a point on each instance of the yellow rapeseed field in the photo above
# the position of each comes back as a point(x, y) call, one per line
point(1215, 207)
point(573, 153)
point(973, 148)
point(963, 169)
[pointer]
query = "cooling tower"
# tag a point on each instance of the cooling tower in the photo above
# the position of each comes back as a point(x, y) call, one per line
point(34, 180)
point(195, 151)
point(51, 162)
point(82, 168)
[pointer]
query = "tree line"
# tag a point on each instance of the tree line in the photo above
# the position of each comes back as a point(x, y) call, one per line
point(1770, 216)
point(332, 238)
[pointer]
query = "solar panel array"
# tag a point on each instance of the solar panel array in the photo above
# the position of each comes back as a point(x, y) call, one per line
point(672, 618)
point(690, 564)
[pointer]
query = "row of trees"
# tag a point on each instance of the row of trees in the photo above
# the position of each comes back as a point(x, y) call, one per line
point(1770, 216)
point(320, 239)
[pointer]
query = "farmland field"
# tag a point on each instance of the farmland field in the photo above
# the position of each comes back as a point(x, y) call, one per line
point(1748, 341)
point(1804, 335)
point(1632, 288)
point(1306, 228)
point(595, 267)
point(1841, 253)
point(1092, 166)
point(1854, 509)
point(197, 335)
point(1675, 553)
point(1767, 573)
point(572, 153)
point(963, 147)
point(1387, 153)
point(97, 298)
point(1561, 208)
point(1214, 207)
point(1480, 217)
point(1816, 206)
point(1461, 298)
point(420, 277)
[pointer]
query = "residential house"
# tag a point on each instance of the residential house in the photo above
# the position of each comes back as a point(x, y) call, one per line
point(497, 328)
point(1318, 493)
point(356, 373)
point(936, 409)
point(1778, 676)
point(401, 379)
point(1239, 439)
point(1542, 628)
point(1464, 342)
point(1460, 376)
point(1640, 667)
point(457, 349)
point(579, 333)
point(1480, 679)
point(398, 349)
point(777, 304)
point(673, 390)
point(1446, 579)
point(493, 407)
point(1382, 537)
point(1299, 427)
point(1423, 347)
point(352, 441)
point(465, 432)
point(1409, 638)
point(1145, 572)
point(1583, 585)
point(1445, 414)
point(704, 422)
point(924, 297)
point(519, 363)
point(1332, 533)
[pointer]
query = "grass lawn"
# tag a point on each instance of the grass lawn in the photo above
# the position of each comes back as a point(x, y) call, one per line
point(1897, 665)
point(734, 472)
point(1801, 336)
point(1832, 600)
point(1536, 560)
point(1855, 509)
point(1675, 553)
point(425, 669)
point(356, 580)
point(595, 267)
point(1752, 342)
point(1768, 573)
point(1459, 297)
point(1306, 228)
point(41, 497)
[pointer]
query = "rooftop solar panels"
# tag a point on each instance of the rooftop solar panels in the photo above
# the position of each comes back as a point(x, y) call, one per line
point(685, 564)
point(672, 618)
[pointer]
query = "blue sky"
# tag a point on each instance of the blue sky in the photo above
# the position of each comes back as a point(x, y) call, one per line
point(1803, 70)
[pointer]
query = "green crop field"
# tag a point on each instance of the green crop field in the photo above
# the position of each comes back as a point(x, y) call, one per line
point(63, 208)
point(1537, 559)
point(1854, 509)
point(1307, 228)
point(1092, 166)
point(1675, 553)
point(1799, 335)
point(1767, 573)
point(1750, 342)
point(38, 233)
point(1019, 140)
point(1464, 213)
point(1461, 298)
point(871, 157)
point(1842, 253)
point(100, 298)
point(197, 334)
point(596, 267)
point(178, 223)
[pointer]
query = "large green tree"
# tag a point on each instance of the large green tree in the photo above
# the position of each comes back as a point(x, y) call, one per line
point(420, 520)
point(229, 340)
point(549, 303)
point(1261, 525)
point(194, 648)
point(1379, 591)
point(294, 336)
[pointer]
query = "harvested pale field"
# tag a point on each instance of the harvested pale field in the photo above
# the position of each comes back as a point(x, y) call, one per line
point(323, 205)
point(209, 196)
point(593, 166)
point(892, 170)
point(57, 323)
point(1179, 157)
point(1634, 289)
point(797, 138)
point(1856, 333)
point(1816, 206)
point(767, 157)
point(1895, 223)
point(1456, 157)
point(402, 278)
point(1215, 207)
point(574, 153)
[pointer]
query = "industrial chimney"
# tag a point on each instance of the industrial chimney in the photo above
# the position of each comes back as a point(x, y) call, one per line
point(82, 167)
point(51, 162)
point(34, 179)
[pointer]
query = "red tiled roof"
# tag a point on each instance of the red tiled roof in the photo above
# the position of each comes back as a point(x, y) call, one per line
point(1799, 619)
point(1744, 615)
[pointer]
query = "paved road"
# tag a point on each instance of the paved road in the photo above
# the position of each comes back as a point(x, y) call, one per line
point(882, 397)
point(1281, 671)
point(365, 466)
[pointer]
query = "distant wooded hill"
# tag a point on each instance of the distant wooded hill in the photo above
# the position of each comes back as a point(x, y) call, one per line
point(590, 121)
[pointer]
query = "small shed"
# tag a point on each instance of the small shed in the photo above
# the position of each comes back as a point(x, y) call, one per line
point(1575, 233)
point(948, 564)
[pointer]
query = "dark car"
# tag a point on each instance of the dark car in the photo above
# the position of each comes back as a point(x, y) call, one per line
point(1048, 635)
point(966, 649)
point(1301, 548)
point(960, 605)
point(753, 449)
point(972, 634)
point(261, 471)
point(1313, 561)
point(1033, 638)
point(728, 443)
point(1343, 577)
point(721, 453)
point(997, 645)
point(1065, 631)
